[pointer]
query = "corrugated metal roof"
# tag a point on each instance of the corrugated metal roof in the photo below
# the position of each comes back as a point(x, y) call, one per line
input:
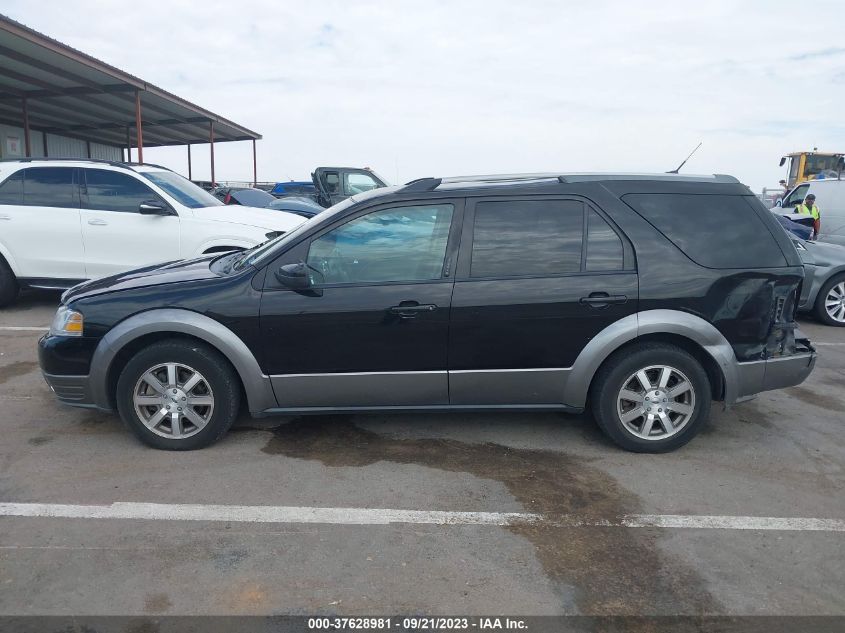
point(70, 93)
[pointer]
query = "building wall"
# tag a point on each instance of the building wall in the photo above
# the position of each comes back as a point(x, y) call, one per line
point(12, 145)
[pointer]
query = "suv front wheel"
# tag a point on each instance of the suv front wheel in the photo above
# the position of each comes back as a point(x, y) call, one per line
point(178, 395)
point(652, 398)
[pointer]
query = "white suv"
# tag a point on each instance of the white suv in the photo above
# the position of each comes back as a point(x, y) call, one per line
point(64, 221)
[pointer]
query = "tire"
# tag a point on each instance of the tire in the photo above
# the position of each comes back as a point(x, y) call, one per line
point(8, 284)
point(833, 290)
point(214, 391)
point(684, 411)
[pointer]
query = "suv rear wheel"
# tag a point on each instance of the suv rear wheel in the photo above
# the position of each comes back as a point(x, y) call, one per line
point(8, 284)
point(652, 398)
point(178, 395)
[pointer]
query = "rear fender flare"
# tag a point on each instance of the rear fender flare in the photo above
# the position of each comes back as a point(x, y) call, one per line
point(629, 328)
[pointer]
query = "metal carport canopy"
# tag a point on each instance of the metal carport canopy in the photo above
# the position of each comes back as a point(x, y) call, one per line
point(48, 86)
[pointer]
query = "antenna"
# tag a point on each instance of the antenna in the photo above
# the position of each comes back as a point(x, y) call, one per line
point(678, 168)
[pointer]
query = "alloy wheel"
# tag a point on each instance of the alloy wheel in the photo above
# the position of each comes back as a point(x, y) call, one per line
point(173, 400)
point(834, 302)
point(656, 402)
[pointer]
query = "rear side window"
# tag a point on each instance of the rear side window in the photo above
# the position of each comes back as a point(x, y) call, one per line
point(50, 187)
point(715, 231)
point(113, 191)
point(524, 238)
point(604, 248)
point(11, 191)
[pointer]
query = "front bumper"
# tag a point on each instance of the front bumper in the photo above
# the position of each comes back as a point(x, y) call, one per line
point(72, 390)
point(65, 363)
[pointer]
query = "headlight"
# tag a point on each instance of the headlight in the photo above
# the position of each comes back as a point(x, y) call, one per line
point(67, 322)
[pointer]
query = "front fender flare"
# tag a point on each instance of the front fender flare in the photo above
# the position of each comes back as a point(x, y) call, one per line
point(259, 391)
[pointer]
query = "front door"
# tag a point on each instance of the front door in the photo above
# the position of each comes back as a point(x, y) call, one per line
point(373, 330)
point(117, 236)
point(530, 293)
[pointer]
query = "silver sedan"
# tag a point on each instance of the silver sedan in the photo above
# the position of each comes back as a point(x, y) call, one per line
point(823, 291)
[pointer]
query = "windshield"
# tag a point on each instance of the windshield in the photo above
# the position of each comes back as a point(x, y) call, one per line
point(185, 192)
point(817, 163)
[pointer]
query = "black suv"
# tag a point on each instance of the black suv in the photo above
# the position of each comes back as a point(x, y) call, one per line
point(643, 297)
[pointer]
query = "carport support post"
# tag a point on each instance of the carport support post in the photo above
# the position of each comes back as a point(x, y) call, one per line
point(139, 127)
point(189, 162)
point(128, 146)
point(254, 166)
point(26, 129)
point(211, 141)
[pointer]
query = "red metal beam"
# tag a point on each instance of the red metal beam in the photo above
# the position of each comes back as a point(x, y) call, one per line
point(211, 141)
point(254, 166)
point(27, 144)
point(139, 127)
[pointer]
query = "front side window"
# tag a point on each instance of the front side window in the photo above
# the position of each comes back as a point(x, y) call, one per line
point(358, 183)
point(797, 196)
point(11, 191)
point(50, 187)
point(396, 244)
point(527, 238)
point(114, 191)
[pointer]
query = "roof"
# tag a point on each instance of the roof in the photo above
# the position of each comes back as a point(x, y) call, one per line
point(73, 94)
point(473, 182)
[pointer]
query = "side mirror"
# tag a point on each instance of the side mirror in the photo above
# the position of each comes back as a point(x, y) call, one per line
point(298, 276)
point(782, 161)
point(153, 207)
point(779, 202)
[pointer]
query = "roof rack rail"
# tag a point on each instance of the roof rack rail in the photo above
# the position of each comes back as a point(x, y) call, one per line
point(720, 178)
point(421, 184)
point(30, 159)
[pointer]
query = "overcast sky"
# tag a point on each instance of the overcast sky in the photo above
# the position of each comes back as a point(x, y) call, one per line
point(431, 88)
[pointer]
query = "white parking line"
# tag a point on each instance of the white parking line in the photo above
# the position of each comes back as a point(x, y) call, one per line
point(376, 516)
point(829, 344)
point(23, 328)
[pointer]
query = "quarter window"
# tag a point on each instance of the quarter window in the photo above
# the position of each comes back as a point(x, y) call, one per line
point(11, 191)
point(113, 191)
point(396, 244)
point(604, 248)
point(715, 231)
point(527, 238)
point(50, 187)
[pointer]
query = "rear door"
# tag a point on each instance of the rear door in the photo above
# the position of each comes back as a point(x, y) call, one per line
point(530, 294)
point(39, 221)
point(117, 237)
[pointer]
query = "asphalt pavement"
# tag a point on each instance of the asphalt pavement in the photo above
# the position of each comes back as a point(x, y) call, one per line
point(694, 532)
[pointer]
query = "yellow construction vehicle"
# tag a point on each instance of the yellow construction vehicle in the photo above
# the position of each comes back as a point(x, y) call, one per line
point(805, 166)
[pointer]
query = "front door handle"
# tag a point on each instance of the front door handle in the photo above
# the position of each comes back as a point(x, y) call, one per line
point(97, 222)
point(410, 309)
point(602, 299)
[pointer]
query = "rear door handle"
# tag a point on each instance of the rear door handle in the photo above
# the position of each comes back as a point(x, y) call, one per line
point(410, 309)
point(602, 299)
point(97, 222)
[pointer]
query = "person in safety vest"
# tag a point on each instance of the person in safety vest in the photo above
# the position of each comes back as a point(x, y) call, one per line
point(808, 207)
